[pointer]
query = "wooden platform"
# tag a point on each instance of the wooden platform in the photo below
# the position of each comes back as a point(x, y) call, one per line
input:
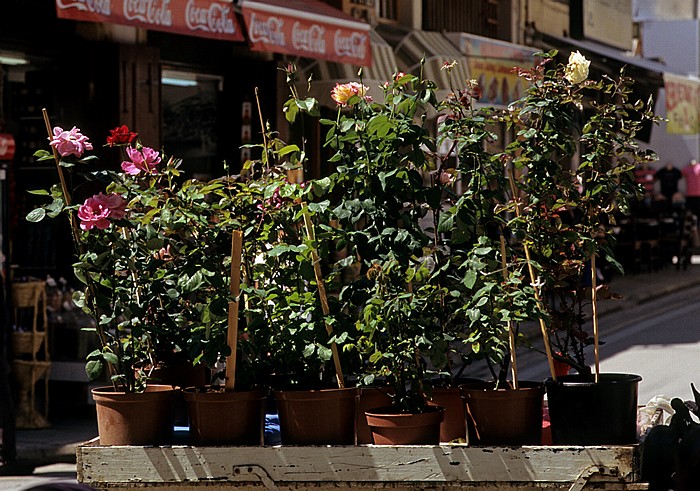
point(185, 468)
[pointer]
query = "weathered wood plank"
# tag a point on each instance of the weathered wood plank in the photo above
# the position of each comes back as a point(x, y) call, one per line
point(375, 466)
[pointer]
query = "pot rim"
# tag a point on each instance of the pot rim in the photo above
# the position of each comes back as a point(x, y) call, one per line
point(486, 386)
point(607, 378)
point(154, 388)
point(391, 411)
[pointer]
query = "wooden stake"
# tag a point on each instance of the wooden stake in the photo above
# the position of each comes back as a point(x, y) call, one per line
point(594, 306)
point(533, 279)
point(232, 333)
point(324, 299)
point(511, 331)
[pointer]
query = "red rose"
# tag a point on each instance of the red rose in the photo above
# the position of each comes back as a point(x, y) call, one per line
point(120, 136)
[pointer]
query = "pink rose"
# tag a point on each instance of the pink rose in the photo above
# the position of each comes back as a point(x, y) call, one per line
point(146, 159)
point(69, 142)
point(99, 209)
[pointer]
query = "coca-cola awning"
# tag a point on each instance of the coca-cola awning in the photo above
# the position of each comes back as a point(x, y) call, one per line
point(203, 18)
point(308, 28)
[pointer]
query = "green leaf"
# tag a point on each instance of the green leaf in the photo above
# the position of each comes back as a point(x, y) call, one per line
point(110, 358)
point(93, 369)
point(36, 215)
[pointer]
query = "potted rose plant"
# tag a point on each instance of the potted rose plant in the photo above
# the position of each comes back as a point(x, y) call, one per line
point(298, 331)
point(571, 172)
point(149, 257)
point(493, 288)
point(380, 207)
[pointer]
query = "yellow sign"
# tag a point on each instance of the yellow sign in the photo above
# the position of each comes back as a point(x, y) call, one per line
point(492, 64)
point(682, 105)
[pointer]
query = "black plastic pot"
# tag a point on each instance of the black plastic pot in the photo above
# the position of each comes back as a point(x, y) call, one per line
point(583, 412)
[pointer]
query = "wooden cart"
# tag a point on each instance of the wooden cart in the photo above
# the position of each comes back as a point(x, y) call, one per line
point(188, 468)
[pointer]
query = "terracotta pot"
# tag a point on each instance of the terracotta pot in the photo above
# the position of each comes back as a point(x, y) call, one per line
point(453, 426)
point(503, 416)
point(370, 397)
point(582, 412)
point(219, 417)
point(390, 427)
point(317, 417)
point(180, 374)
point(145, 418)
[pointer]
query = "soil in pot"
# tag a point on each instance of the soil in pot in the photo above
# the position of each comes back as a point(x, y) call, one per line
point(583, 412)
point(317, 417)
point(503, 416)
point(220, 417)
point(391, 427)
point(145, 418)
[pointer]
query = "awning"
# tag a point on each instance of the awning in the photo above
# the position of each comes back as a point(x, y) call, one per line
point(606, 58)
point(491, 63)
point(437, 50)
point(202, 18)
point(308, 28)
point(326, 73)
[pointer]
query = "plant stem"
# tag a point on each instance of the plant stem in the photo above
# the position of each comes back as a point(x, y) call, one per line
point(324, 299)
point(91, 294)
point(533, 279)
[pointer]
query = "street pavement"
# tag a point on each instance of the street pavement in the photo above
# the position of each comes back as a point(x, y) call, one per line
point(48, 455)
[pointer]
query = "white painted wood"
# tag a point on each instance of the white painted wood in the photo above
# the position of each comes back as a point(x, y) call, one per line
point(181, 467)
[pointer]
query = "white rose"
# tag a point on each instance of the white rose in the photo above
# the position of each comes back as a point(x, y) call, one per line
point(577, 69)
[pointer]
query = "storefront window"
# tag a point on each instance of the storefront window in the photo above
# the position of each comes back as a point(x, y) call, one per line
point(190, 120)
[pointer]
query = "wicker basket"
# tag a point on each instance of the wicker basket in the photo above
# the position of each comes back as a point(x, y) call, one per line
point(27, 343)
point(27, 294)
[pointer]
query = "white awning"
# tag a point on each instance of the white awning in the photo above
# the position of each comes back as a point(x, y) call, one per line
point(437, 50)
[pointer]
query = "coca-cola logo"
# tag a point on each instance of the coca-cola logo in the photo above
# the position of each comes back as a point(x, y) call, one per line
point(156, 12)
point(102, 7)
point(214, 18)
point(267, 31)
point(353, 46)
point(311, 40)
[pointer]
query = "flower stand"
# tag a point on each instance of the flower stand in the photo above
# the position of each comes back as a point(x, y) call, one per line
point(188, 468)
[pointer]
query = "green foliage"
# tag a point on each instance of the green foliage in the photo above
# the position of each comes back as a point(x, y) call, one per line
point(156, 280)
point(572, 164)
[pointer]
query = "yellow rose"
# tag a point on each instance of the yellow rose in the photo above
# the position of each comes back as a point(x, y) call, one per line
point(577, 69)
point(341, 93)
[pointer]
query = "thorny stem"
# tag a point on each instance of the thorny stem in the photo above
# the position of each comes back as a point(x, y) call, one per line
point(91, 294)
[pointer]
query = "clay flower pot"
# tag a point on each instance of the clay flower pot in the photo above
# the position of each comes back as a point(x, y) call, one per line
point(146, 418)
point(390, 427)
point(220, 417)
point(503, 416)
point(317, 417)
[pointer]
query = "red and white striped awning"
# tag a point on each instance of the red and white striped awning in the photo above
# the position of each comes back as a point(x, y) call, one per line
point(325, 74)
point(213, 19)
point(307, 28)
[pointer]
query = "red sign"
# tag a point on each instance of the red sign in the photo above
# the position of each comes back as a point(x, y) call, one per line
point(310, 29)
point(203, 18)
point(7, 146)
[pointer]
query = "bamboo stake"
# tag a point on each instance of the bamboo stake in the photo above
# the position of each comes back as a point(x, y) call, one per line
point(511, 333)
point(232, 333)
point(324, 299)
point(533, 279)
point(75, 229)
point(594, 306)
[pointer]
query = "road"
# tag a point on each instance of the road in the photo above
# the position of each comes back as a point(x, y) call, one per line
point(659, 340)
